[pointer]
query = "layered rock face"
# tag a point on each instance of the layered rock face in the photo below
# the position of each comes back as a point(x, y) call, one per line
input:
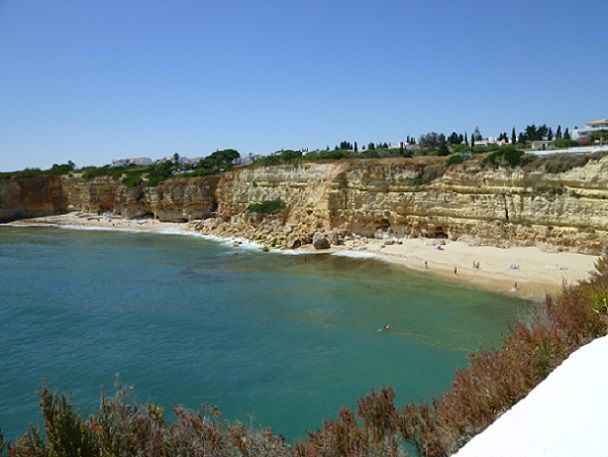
point(381, 197)
point(387, 197)
point(176, 200)
point(31, 197)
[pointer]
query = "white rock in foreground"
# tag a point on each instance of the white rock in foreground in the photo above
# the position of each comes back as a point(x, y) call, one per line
point(565, 415)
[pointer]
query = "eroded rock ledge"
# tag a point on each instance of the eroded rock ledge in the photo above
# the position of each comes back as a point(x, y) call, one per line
point(376, 198)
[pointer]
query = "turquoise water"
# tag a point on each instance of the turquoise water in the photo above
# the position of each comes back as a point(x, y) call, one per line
point(281, 339)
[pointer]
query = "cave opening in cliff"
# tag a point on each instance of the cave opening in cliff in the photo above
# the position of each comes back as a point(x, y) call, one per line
point(439, 232)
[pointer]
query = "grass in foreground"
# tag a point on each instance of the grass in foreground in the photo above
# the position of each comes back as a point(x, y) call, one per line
point(494, 382)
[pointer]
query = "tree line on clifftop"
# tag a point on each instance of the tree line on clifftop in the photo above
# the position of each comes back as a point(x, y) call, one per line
point(493, 383)
point(507, 150)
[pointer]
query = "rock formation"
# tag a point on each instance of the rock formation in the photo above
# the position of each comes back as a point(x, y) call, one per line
point(384, 198)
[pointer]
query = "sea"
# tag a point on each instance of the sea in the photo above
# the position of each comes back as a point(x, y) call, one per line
point(273, 340)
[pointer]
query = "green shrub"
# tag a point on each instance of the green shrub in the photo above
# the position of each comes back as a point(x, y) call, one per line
point(505, 156)
point(565, 143)
point(266, 207)
point(132, 180)
point(454, 159)
point(55, 170)
point(560, 163)
point(430, 173)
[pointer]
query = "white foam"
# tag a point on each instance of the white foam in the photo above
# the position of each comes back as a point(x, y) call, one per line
point(231, 242)
point(97, 228)
point(358, 255)
point(18, 225)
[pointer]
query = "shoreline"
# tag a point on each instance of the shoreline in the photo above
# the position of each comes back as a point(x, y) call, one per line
point(538, 272)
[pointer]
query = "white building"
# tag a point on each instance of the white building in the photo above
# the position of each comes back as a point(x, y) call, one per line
point(491, 140)
point(139, 161)
point(192, 161)
point(248, 159)
point(592, 126)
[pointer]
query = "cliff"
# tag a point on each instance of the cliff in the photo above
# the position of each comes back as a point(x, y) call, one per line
point(31, 197)
point(480, 204)
point(176, 200)
point(377, 197)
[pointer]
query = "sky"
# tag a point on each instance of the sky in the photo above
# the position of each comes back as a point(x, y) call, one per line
point(91, 81)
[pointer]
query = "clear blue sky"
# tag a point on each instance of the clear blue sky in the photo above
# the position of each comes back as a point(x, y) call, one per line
point(95, 80)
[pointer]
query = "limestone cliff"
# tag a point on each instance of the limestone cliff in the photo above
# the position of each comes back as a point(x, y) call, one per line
point(377, 197)
point(176, 200)
point(498, 206)
point(31, 197)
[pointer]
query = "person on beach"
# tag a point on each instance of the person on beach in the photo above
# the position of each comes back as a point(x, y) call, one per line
point(455, 270)
point(515, 287)
point(426, 264)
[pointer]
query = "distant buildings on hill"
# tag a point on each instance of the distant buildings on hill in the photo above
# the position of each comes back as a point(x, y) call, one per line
point(139, 161)
point(545, 143)
point(248, 159)
point(145, 161)
point(592, 126)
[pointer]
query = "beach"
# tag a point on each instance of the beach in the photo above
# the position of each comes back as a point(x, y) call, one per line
point(533, 271)
point(523, 272)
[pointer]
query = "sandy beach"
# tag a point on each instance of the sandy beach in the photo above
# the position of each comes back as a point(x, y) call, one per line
point(534, 271)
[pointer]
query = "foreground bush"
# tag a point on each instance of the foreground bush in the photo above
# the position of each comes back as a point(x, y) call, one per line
point(494, 382)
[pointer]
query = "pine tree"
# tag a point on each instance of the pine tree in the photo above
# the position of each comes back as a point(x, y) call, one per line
point(550, 134)
point(473, 141)
point(567, 134)
point(466, 139)
point(356, 147)
point(558, 132)
point(477, 134)
point(513, 137)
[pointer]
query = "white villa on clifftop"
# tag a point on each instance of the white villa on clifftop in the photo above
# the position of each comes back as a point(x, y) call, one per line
point(592, 126)
point(139, 161)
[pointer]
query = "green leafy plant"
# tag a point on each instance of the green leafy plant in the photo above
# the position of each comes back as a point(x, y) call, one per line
point(505, 156)
point(266, 207)
point(454, 159)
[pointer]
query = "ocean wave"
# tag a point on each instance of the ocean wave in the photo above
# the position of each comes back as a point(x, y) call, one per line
point(358, 255)
point(26, 225)
point(230, 242)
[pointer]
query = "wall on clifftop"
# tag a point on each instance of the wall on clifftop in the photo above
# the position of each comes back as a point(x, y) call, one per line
point(499, 206)
point(31, 197)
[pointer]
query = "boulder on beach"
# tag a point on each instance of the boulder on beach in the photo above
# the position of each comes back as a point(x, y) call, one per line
point(319, 241)
point(293, 242)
